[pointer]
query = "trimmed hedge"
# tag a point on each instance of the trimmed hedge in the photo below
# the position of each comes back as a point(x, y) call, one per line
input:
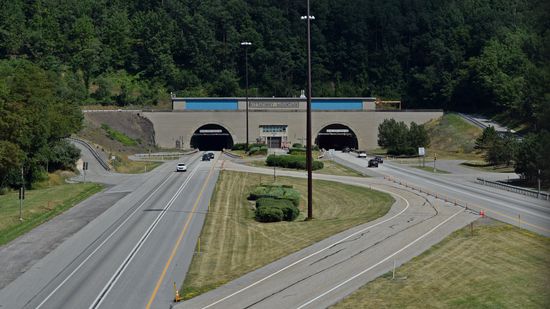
point(297, 151)
point(297, 145)
point(239, 146)
point(292, 161)
point(269, 214)
point(276, 191)
point(266, 210)
point(262, 150)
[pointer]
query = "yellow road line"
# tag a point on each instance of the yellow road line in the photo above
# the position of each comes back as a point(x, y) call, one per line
point(176, 246)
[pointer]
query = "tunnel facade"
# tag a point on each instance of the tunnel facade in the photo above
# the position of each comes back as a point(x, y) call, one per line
point(211, 137)
point(336, 136)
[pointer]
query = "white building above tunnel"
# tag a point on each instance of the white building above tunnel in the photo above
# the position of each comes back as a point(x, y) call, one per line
point(215, 123)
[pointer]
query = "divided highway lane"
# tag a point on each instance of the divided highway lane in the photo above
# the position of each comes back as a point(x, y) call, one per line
point(132, 258)
point(533, 214)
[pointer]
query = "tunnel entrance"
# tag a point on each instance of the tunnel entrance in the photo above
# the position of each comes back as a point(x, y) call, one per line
point(336, 136)
point(211, 137)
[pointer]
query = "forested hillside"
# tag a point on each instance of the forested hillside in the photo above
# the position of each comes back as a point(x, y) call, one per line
point(469, 55)
point(460, 55)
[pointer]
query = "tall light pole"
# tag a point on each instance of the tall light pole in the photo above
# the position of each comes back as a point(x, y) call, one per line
point(309, 159)
point(246, 45)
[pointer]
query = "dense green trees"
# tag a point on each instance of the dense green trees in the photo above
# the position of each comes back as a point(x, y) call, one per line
point(460, 55)
point(33, 120)
point(399, 139)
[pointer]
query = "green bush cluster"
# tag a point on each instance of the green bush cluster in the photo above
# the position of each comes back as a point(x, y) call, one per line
point(292, 161)
point(257, 150)
point(275, 203)
point(276, 191)
point(239, 146)
point(273, 210)
point(297, 151)
point(297, 145)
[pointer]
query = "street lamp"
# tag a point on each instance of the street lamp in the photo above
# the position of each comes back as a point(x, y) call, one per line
point(246, 45)
point(309, 158)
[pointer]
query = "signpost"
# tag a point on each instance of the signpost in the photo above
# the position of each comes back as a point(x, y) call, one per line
point(422, 153)
point(84, 169)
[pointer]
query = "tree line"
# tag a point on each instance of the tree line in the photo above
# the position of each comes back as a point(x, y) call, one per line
point(34, 120)
point(457, 55)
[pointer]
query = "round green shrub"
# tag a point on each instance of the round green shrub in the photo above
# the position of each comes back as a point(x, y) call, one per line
point(269, 214)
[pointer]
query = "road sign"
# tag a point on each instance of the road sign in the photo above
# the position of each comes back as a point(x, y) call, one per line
point(421, 151)
point(85, 166)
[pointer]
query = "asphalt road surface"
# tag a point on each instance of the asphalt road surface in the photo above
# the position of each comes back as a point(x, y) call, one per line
point(325, 272)
point(130, 255)
point(523, 211)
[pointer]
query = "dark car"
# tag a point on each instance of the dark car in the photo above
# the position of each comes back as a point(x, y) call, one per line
point(373, 163)
point(205, 157)
point(346, 150)
point(379, 159)
point(211, 155)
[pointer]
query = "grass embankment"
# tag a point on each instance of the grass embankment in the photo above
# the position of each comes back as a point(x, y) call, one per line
point(501, 266)
point(126, 166)
point(39, 206)
point(486, 167)
point(119, 136)
point(431, 169)
point(452, 137)
point(233, 243)
point(329, 168)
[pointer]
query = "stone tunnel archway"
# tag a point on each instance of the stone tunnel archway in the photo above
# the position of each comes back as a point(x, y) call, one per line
point(336, 136)
point(211, 137)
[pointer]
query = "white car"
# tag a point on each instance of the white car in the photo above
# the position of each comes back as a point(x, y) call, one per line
point(181, 167)
point(362, 154)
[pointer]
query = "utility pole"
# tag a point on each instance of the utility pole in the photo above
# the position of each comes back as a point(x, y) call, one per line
point(246, 44)
point(309, 159)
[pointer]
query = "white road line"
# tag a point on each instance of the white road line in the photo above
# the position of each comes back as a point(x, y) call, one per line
point(384, 260)
point(101, 244)
point(317, 252)
point(120, 270)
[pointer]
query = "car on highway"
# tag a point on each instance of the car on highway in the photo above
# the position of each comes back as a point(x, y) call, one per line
point(205, 157)
point(181, 167)
point(361, 154)
point(346, 150)
point(211, 155)
point(373, 163)
point(379, 159)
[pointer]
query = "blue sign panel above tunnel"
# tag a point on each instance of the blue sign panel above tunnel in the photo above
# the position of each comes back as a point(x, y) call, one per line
point(336, 104)
point(209, 104)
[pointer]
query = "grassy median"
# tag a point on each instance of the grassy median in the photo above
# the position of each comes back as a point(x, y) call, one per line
point(39, 206)
point(500, 266)
point(232, 243)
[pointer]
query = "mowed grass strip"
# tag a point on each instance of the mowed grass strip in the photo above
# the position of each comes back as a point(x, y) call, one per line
point(39, 206)
point(232, 243)
point(501, 266)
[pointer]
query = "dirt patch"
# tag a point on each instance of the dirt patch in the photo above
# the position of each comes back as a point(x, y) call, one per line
point(129, 123)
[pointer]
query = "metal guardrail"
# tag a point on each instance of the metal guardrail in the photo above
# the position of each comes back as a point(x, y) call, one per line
point(528, 192)
point(231, 155)
point(94, 152)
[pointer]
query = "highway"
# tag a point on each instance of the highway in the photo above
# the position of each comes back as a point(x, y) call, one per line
point(527, 212)
point(324, 273)
point(131, 255)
